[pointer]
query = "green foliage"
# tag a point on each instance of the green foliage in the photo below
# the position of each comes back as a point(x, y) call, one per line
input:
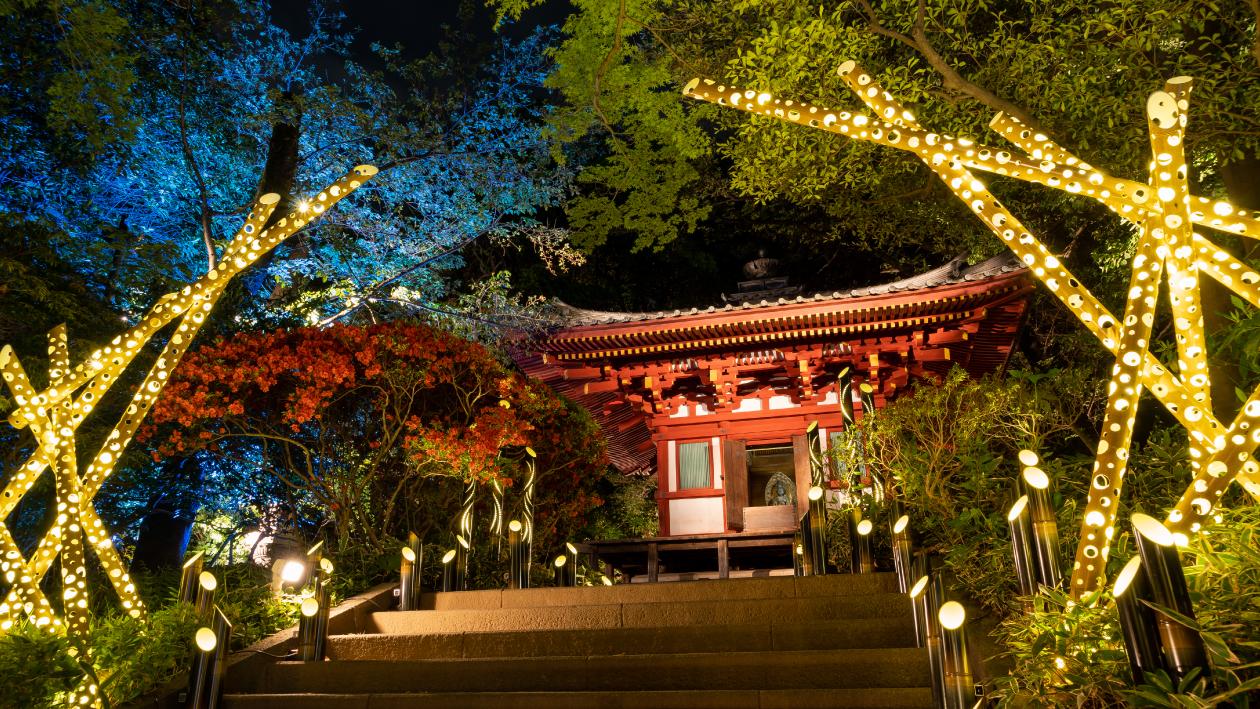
point(1071, 654)
point(35, 667)
point(951, 449)
point(134, 657)
point(629, 510)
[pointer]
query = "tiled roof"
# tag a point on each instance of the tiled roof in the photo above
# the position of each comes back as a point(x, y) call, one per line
point(954, 272)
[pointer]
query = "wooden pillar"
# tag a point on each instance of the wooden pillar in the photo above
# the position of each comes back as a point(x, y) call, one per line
point(724, 559)
point(804, 473)
point(735, 482)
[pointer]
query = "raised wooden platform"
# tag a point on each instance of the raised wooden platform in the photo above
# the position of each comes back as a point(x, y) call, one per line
point(694, 554)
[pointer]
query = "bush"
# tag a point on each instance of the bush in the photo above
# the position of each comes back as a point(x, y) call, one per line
point(1071, 654)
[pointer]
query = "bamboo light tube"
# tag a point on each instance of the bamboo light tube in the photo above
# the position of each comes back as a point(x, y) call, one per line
point(201, 677)
point(517, 569)
point(188, 576)
point(864, 562)
point(1045, 527)
point(448, 571)
point(901, 551)
point(1137, 621)
point(308, 628)
point(931, 600)
point(1183, 646)
point(463, 550)
point(417, 568)
point(321, 618)
point(917, 593)
point(223, 636)
point(206, 585)
point(815, 534)
point(406, 581)
point(1021, 546)
point(958, 683)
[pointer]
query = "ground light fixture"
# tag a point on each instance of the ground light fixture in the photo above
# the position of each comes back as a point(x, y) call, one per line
point(917, 593)
point(287, 574)
point(1138, 626)
point(188, 578)
point(308, 629)
point(902, 552)
point(206, 585)
point(407, 578)
point(814, 533)
point(930, 605)
point(211, 642)
point(863, 562)
point(1045, 527)
point(1183, 646)
point(463, 550)
point(958, 685)
point(448, 571)
point(798, 554)
point(518, 565)
point(572, 568)
point(561, 574)
point(1021, 546)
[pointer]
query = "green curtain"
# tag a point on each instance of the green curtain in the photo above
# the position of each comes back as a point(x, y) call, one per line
point(693, 466)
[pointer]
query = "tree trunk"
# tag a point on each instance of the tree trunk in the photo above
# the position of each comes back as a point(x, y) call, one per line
point(165, 530)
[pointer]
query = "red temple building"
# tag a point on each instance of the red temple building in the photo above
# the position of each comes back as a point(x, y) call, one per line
point(715, 401)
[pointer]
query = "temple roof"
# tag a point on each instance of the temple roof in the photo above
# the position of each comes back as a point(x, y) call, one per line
point(922, 325)
point(956, 271)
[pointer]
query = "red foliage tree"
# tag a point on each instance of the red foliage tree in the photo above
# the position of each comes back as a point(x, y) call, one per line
point(380, 427)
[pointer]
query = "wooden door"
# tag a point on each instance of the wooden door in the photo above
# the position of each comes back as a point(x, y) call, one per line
point(735, 482)
point(804, 474)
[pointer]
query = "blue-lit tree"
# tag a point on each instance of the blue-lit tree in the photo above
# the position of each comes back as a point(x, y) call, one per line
point(130, 147)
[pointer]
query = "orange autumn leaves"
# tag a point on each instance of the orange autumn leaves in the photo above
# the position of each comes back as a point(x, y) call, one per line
point(446, 405)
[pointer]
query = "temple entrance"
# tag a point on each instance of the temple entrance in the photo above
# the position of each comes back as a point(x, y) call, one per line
point(771, 500)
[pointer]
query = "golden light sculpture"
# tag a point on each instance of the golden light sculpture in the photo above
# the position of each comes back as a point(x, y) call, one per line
point(55, 414)
point(1164, 212)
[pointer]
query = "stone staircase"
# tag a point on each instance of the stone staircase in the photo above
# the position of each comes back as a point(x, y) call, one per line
point(805, 643)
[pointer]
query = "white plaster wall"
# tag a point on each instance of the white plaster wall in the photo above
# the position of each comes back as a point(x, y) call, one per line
point(750, 403)
point(697, 515)
point(831, 397)
point(781, 401)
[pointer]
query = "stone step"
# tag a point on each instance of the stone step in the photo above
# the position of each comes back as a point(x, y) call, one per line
point(830, 635)
point(888, 698)
point(728, 589)
point(758, 611)
point(806, 669)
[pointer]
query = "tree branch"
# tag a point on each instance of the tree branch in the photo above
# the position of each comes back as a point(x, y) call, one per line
point(950, 78)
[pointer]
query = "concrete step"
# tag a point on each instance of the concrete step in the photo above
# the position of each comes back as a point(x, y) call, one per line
point(728, 589)
point(831, 635)
point(888, 698)
point(806, 669)
point(790, 611)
